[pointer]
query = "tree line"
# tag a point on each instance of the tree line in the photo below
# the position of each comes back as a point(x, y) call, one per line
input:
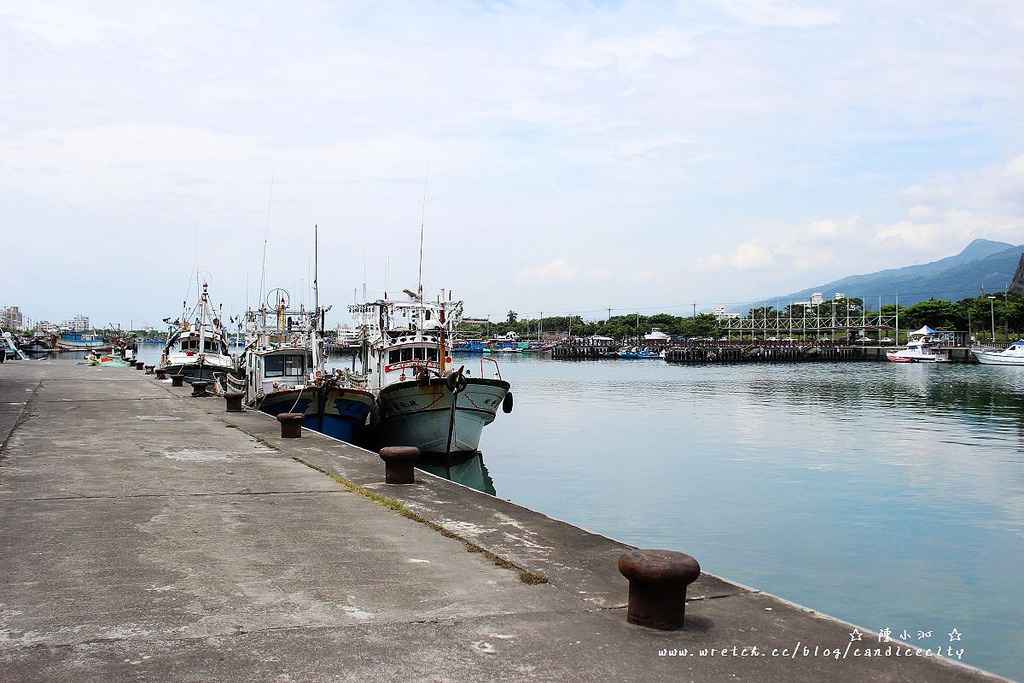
point(973, 314)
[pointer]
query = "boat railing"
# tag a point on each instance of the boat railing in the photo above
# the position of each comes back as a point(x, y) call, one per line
point(497, 369)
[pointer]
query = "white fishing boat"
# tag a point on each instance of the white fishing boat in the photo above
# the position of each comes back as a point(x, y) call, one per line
point(9, 348)
point(197, 343)
point(1012, 355)
point(919, 349)
point(285, 362)
point(422, 399)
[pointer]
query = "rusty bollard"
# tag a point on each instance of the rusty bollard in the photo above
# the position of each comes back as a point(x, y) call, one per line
point(234, 401)
point(161, 373)
point(198, 388)
point(398, 464)
point(657, 587)
point(291, 425)
point(149, 369)
point(178, 380)
point(139, 364)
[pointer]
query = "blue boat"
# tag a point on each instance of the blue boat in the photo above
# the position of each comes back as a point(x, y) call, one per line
point(78, 341)
point(285, 371)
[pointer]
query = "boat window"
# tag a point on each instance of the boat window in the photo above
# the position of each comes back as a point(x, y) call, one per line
point(432, 354)
point(417, 353)
point(190, 344)
point(210, 346)
point(394, 356)
point(406, 354)
point(287, 365)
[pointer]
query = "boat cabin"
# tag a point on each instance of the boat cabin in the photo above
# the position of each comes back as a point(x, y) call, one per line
point(277, 369)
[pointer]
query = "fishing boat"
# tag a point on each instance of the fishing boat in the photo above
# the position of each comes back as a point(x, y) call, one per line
point(918, 350)
point(1011, 355)
point(9, 348)
point(80, 341)
point(197, 343)
point(286, 371)
point(423, 400)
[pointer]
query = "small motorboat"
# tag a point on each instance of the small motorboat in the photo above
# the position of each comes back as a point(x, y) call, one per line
point(918, 350)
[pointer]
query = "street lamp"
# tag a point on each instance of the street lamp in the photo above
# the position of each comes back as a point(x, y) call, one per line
point(992, 310)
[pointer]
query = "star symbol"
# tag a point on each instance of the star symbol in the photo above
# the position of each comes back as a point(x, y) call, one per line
point(856, 635)
point(954, 635)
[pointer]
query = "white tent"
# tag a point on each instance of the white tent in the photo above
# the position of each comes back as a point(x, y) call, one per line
point(923, 332)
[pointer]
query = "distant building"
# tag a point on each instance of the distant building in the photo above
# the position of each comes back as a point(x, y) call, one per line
point(79, 323)
point(47, 327)
point(722, 315)
point(12, 319)
point(1017, 284)
point(840, 296)
point(816, 299)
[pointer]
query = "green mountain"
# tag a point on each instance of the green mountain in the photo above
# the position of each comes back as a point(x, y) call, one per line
point(983, 266)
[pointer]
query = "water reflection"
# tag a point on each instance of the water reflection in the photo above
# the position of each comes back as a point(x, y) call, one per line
point(851, 488)
point(471, 471)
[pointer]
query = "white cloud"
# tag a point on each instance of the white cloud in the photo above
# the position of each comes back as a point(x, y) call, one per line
point(643, 276)
point(558, 270)
point(752, 255)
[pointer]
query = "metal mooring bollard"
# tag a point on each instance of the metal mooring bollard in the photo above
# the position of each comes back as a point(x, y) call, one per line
point(161, 373)
point(657, 587)
point(140, 364)
point(234, 401)
point(398, 464)
point(199, 388)
point(178, 380)
point(149, 369)
point(291, 425)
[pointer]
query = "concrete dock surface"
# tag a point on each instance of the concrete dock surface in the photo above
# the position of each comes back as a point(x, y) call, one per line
point(149, 535)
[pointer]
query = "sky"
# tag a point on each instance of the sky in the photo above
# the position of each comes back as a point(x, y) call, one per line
point(557, 157)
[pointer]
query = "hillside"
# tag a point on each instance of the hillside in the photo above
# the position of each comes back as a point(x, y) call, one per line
point(983, 265)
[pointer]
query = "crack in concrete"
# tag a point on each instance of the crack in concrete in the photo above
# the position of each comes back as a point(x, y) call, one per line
point(22, 416)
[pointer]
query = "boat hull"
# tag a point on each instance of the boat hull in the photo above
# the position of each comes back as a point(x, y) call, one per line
point(420, 415)
point(193, 371)
point(896, 358)
point(98, 345)
point(992, 358)
point(338, 412)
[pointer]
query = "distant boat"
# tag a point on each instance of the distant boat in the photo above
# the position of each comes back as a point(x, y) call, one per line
point(78, 341)
point(197, 344)
point(640, 353)
point(285, 372)
point(918, 350)
point(1012, 355)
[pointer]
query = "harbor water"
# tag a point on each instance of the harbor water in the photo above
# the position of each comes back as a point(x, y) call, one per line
point(891, 496)
point(888, 495)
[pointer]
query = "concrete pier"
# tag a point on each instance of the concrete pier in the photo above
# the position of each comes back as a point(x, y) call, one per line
point(146, 534)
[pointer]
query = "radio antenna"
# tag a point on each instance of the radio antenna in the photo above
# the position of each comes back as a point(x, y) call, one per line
point(423, 218)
